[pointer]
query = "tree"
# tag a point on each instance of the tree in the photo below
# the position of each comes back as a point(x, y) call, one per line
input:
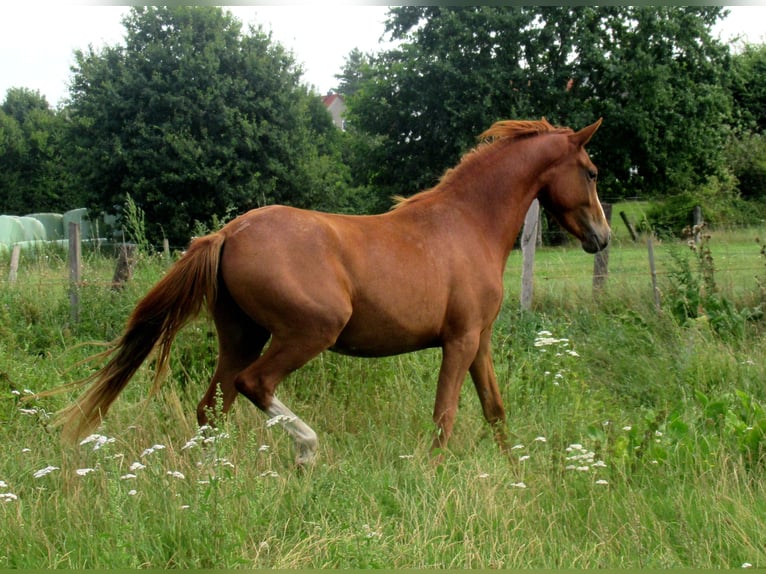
point(748, 85)
point(33, 176)
point(352, 73)
point(659, 78)
point(653, 73)
point(194, 119)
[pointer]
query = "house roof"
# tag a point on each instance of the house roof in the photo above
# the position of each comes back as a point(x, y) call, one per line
point(330, 99)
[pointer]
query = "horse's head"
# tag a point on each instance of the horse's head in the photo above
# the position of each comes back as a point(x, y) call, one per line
point(569, 193)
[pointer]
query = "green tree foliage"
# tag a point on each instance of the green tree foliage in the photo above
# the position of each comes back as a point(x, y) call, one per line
point(33, 176)
point(748, 86)
point(746, 151)
point(654, 74)
point(352, 75)
point(194, 119)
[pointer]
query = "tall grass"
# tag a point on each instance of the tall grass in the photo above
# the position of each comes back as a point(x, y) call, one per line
point(638, 440)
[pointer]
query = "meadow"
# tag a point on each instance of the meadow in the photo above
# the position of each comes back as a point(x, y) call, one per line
point(639, 433)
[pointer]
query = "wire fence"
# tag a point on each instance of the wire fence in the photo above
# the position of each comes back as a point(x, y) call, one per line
point(737, 258)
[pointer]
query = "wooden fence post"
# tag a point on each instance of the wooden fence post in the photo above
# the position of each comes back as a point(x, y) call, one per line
point(15, 254)
point(629, 225)
point(697, 223)
point(528, 245)
point(601, 261)
point(75, 266)
point(653, 270)
point(126, 260)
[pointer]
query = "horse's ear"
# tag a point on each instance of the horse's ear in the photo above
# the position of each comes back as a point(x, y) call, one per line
point(583, 136)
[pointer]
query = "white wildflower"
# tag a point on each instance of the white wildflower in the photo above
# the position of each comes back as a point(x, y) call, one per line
point(572, 353)
point(190, 443)
point(517, 446)
point(28, 412)
point(599, 464)
point(627, 428)
point(370, 533)
point(26, 450)
point(518, 485)
point(546, 341)
point(484, 475)
point(747, 565)
point(184, 506)
point(132, 492)
point(15, 392)
point(153, 449)
point(43, 471)
point(98, 440)
point(541, 439)
point(265, 447)
point(406, 456)
point(128, 476)
point(523, 458)
point(601, 481)
point(270, 474)
point(3, 484)
point(84, 471)
point(175, 474)
point(137, 466)
point(8, 496)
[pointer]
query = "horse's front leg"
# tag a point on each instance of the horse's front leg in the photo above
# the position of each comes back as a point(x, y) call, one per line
point(457, 356)
point(484, 379)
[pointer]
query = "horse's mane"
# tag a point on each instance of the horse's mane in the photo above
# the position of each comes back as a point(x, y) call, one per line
point(501, 130)
point(518, 129)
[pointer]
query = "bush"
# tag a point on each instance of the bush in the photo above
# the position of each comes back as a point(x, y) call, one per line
point(720, 202)
point(746, 157)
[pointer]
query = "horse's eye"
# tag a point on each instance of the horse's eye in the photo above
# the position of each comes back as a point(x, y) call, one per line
point(592, 174)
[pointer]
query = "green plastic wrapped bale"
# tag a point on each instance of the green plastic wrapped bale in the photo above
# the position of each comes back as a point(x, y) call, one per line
point(80, 216)
point(11, 230)
point(34, 230)
point(53, 223)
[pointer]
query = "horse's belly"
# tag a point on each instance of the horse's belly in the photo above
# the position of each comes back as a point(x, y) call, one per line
point(381, 335)
point(378, 349)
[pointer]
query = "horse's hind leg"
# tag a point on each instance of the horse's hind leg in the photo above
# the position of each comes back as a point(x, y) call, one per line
point(259, 381)
point(240, 342)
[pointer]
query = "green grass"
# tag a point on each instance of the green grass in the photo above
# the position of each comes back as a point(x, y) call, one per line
point(668, 413)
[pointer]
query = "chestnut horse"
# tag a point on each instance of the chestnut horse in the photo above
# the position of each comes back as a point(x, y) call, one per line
point(428, 273)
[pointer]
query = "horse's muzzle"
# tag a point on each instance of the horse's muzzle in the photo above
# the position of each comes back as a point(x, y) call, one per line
point(595, 242)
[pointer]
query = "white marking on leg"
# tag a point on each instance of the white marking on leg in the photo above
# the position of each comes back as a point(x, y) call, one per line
point(304, 436)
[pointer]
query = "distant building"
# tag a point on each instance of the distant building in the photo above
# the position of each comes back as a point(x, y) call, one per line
point(337, 107)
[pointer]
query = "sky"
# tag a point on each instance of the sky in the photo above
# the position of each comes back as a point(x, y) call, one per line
point(38, 39)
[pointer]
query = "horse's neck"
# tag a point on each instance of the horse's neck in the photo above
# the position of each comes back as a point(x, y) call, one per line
point(501, 186)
